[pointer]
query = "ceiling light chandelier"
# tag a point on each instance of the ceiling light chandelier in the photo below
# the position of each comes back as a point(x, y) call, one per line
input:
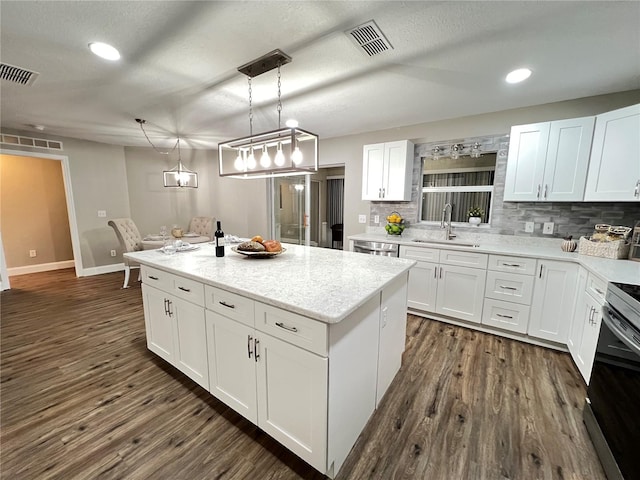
point(283, 152)
point(178, 176)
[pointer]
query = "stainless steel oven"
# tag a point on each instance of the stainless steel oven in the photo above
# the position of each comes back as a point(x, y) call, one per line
point(612, 409)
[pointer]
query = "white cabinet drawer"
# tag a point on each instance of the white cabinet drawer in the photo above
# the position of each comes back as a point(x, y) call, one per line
point(505, 315)
point(157, 278)
point(510, 287)
point(421, 254)
point(465, 259)
point(501, 263)
point(290, 327)
point(230, 305)
point(596, 288)
point(189, 290)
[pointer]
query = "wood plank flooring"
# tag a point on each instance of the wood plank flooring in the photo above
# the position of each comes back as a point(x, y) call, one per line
point(81, 397)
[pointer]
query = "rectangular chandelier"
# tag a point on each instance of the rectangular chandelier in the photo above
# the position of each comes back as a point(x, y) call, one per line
point(278, 153)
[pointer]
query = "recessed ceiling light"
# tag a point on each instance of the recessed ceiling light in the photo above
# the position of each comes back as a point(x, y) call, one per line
point(291, 123)
point(518, 75)
point(104, 50)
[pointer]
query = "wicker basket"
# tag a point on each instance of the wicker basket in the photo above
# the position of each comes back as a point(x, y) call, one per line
point(615, 249)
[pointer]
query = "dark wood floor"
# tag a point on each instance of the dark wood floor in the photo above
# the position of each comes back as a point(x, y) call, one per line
point(81, 397)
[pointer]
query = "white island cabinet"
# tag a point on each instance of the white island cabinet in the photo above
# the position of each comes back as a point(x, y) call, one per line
point(304, 359)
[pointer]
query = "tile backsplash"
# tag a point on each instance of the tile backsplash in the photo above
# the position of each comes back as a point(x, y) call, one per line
point(508, 218)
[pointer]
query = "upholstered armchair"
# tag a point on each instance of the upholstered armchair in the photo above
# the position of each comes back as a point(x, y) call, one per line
point(203, 226)
point(130, 241)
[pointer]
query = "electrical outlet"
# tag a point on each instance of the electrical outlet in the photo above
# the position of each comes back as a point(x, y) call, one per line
point(113, 253)
point(362, 219)
point(529, 226)
point(547, 229)
point(376, 219)
point(32, 253)
point(102, 213)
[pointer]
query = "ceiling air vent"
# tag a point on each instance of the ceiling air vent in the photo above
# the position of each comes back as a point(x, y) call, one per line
point(17, 74)
point(370, 38)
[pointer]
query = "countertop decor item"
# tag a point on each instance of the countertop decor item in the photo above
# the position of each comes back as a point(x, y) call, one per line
point(568, 244)
point(475, 216)
point(395, 225)
point(614, 249)
point(258, 254)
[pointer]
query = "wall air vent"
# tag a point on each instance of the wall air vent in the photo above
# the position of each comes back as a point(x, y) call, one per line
point(370, 38)
point(21, 141)
point(17, 75)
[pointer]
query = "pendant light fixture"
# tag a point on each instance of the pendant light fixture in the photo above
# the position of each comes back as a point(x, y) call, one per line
point(178, 176)
point(283, 152)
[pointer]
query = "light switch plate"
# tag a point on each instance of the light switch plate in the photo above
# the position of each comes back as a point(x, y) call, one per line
point(362, 219)
point(547, 229)
point(102, 213)
point(113, 253)
point(529, 226)
point(376, 219)
point(32, 253)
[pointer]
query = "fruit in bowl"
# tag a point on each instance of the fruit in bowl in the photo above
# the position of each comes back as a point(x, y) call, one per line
point(394, 228)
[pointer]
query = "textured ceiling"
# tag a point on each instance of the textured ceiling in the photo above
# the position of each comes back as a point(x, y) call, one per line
point(179, 63)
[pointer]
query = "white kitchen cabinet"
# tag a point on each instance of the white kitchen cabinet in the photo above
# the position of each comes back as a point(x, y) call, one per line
point(552, 306)
point(387, 170)
point(614, 168)
point(583, 336)
point(446, 287)
point(548, 161)
point(175, 331)
point(461, 292)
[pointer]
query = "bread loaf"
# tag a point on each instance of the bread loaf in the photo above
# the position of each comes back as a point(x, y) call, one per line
point(272, 246)
point(251, 247)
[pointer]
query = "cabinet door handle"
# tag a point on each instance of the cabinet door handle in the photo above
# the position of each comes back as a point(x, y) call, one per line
point(503, 316)
point(152, 277)
point(166, 306)
point(170, 303)
point(511, 264)
point(538, 192)
point(256, 355)
point(225, 304)
point(249, 350)
point(507, 288)
point(546, 187)
point(435, 273)
point(440, 272)
point(540, 276)
point(636, 191)
point(384, 192)
point(380, 193)
point(184, 289)
point(286, 327)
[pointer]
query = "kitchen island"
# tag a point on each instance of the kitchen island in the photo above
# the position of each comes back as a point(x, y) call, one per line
point(303, 344)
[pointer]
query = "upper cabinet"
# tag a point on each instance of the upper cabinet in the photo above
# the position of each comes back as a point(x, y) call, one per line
point(614, 170)
point(387, 170)
point(549, 161)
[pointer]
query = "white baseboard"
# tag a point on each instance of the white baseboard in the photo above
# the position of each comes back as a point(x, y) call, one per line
point(114, 267)
point(42, 267)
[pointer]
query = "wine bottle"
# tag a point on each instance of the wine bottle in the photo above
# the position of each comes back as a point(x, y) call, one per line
point(219, 235)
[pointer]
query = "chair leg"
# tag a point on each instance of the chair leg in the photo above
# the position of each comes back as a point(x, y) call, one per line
point(127, 272)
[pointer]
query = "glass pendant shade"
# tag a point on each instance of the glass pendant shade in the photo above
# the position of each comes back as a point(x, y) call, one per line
point(265, 159)
point(279, 160)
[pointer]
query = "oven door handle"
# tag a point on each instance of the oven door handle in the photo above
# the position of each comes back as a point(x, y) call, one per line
point(617, 331)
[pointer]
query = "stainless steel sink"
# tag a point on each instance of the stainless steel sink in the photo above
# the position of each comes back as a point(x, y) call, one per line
point(444, 242)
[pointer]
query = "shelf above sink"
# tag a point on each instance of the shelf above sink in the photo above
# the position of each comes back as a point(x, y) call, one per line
point(452, 243)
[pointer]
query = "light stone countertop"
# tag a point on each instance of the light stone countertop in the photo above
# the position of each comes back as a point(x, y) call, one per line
point(623, 271)
point(323, 284)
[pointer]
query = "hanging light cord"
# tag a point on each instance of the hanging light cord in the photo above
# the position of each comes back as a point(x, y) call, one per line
point(250, 110)
point(279, 95)
point(177, 145)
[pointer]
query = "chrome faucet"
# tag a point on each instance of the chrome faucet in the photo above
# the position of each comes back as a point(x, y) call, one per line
point(446, 221)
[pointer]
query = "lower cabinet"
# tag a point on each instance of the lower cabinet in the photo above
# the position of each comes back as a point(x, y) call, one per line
point(585, 328)
point(272, 366)
point(175, 331)
point(447, 287)
point(553, 300)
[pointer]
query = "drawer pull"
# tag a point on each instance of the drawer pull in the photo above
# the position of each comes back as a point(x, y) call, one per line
point(507, 288)
point(600, 292)
point(286, 327)
point(503, 316)
point(184, 289)
point(511, 265)
point(225, 304)
point(152, 277)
